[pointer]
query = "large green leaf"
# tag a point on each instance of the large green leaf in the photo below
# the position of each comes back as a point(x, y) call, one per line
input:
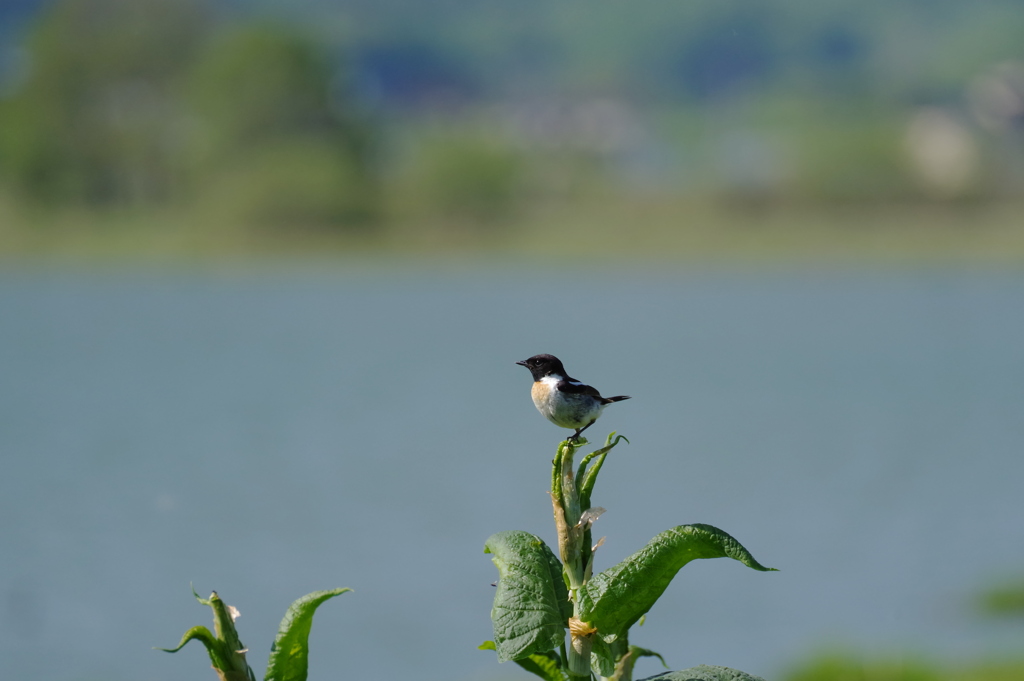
point(531, 606)
point(547, 666)
point(289, 656)
point(615, 599)
point(705, 672)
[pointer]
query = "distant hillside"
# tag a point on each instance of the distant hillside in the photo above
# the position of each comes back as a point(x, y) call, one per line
point(661, 49)
point(666, 48)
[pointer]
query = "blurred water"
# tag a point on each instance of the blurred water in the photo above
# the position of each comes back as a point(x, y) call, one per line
point(267, 434)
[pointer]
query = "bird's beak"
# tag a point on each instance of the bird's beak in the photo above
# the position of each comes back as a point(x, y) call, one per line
point(522, 364)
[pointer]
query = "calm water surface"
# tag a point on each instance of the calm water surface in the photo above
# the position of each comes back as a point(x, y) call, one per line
point(267, 434)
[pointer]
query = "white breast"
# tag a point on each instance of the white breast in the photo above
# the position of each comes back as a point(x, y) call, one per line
point(568, 410)
point(545, 395)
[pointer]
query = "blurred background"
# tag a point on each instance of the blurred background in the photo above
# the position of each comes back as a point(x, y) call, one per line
point(265, 269)
point(233, 126)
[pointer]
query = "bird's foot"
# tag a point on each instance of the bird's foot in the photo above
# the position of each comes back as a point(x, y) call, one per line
point(576, 439)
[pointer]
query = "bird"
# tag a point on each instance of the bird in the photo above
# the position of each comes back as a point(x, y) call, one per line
point(562, 399)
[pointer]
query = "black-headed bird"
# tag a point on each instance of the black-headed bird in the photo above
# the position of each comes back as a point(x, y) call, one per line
point(563, 400)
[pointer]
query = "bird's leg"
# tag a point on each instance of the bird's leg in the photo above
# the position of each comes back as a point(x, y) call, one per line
point(576, 436)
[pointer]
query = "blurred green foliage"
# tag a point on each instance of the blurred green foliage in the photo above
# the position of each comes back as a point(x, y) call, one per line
point(853, 156)
point(835, 667)
point(136, 103)
point(365, 119)
point(1005, 599)
point(99, 120)
point(844, 667)
point(468, 177)
point(276, 143)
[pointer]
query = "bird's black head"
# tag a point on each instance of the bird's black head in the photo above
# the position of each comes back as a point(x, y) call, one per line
point(543, 365)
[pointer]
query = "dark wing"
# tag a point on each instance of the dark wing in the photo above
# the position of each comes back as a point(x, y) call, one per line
point(576, 388)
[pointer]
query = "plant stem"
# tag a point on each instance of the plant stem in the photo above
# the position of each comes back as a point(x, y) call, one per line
point(579, 658)
point(572, 511)
point(567, 504)
point(579, 649)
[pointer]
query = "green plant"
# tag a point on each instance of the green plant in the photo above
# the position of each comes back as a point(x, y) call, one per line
point(540, 597)
point(849, 665)
point(1005, 599)
point(289, 656)
point(844, 666)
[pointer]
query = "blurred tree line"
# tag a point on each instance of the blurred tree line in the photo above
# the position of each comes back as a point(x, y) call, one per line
point(459, 112)
point(141, 103)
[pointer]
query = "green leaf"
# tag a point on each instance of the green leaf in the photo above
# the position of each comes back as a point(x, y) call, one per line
point(531, 606)
point(639, 652)
point(613, 600)
point(705, 672)
point(226, 651)
point(215, 648)
point(289, 656)
point(588, 477)
point(547, 665)
point(602, 658)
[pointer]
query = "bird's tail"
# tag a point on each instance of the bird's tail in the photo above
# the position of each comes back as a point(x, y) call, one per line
point(617, 398)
